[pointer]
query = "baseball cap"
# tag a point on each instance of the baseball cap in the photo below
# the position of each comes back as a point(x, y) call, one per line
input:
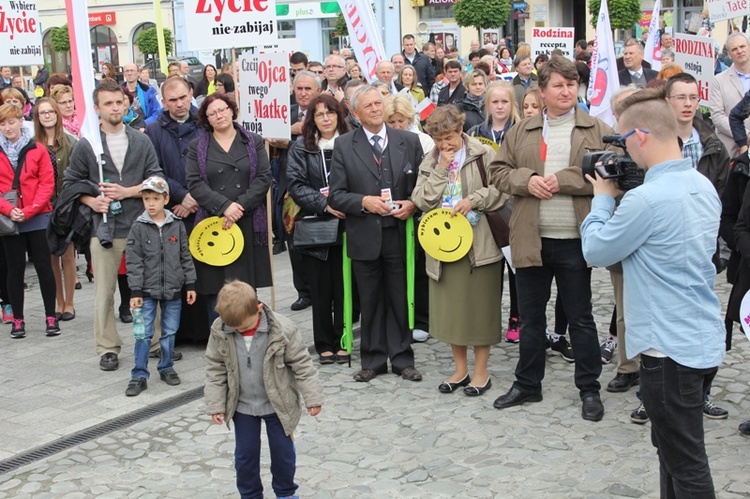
point(155, 184)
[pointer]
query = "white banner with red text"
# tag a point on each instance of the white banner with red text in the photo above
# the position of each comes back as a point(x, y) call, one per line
point(695, 54)
point(545, 40)
point(264, 94)
point(364, 34)
point(20, 33)
point(220, 24)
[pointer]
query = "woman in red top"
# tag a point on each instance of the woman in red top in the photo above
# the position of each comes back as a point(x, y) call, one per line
point(20, 153)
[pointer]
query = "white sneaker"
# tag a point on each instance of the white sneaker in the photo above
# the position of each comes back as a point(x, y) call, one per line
point(420, 335)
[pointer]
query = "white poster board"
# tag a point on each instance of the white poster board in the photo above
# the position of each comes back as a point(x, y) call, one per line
point(20, 34)
point(264, 94)
point(745, 314)
point(695, 54)
point(721, 10)
point(219, 24)
point(545, 40)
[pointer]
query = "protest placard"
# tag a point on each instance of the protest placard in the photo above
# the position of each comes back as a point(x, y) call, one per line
point(20, 34)
point(545, 40)
point(219, 24)
point(695, 54)
point(264, 94)
point(721, 10)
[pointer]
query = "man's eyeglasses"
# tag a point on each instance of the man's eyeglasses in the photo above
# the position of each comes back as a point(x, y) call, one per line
point(683, 98)
point(332, 66)
point(631, 132)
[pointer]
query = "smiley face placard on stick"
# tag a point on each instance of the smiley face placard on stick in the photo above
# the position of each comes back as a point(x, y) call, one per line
point(211, 244)
point(445, 238)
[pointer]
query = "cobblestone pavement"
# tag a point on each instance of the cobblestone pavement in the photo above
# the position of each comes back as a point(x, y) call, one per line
point(389, 438)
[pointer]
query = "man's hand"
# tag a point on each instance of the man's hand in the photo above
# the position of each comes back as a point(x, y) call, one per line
point(180, 211)
point(336, 213)
point(538, 187)
point(297, 128)
point(603, 186)
point(552, 183)
point(100, 204)
point(278, 144)
point(463, 207)
point(190, 297)
point(189, 203)
point(338, 94)
point(405, 210)
point(114, 191)
point(376, 205)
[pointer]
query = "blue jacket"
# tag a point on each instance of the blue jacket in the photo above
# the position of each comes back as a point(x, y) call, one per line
point(664, 232)
point(149, 102)
point(737, 118)
point(171, 141)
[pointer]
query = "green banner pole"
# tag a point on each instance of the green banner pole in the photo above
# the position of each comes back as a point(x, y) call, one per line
point(347, 337)
point(410, 267)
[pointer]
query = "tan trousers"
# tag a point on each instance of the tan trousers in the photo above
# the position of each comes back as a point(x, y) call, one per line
point(624, 365)
point(106, 263)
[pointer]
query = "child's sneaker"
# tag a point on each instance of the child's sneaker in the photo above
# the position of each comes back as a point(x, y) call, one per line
point(136, 386)
point(19, 328)
point(513, 335)
point(7, 314)
point(53, 328)
point(608, 348)
point(170, 377)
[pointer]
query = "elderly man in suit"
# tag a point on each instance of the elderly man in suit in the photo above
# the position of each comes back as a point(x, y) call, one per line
point(634, 72)
point(371, 178)
point(728, 88)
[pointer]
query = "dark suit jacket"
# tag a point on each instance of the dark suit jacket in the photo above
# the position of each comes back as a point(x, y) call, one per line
point(624, 75)
point(445, 97)
point(354, 174)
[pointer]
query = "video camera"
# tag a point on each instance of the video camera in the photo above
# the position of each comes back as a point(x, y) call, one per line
point(618, 167)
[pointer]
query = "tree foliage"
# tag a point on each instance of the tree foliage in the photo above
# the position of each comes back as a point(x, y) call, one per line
point(623, 14)
point(482, 14)
point(148, 42)
point(59, 39)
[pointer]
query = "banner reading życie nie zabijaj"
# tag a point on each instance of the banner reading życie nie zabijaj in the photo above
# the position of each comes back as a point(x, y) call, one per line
point(20, 33)
point(264, 94)
point(695, 54)
point(220, 24)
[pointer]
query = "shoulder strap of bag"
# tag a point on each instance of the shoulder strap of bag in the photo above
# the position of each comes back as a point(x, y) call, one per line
point(482, 172)
point(21, 162)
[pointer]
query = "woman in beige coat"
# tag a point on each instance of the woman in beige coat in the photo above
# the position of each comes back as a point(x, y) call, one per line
point(463, 294)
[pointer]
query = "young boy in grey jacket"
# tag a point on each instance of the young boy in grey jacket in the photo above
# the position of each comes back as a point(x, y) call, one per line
point(159, 265)
point(258, 367)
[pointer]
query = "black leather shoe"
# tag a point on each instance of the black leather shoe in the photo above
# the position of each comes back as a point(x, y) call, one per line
point(125, 316)
point(623, 381)
point(515, 397)
point(475, 391)
point(592, 408)
point(156, 354)
point(279, 247)
point(410, 374)
point(448, 387)
point(365, 375)
point(301, 304)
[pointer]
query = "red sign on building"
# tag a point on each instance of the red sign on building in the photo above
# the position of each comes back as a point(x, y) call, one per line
point(102, 18)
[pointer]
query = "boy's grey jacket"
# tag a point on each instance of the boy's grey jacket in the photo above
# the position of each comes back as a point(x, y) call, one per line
point(288, 372)
point(159, 262)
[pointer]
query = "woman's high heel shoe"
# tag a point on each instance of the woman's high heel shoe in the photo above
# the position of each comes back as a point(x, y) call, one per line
point(448, 387)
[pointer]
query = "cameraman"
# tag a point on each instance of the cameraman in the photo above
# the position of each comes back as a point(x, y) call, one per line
point(664, 232)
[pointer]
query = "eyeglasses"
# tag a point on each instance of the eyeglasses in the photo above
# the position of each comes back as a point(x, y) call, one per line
point(46, 113)
point(64, 102)
point(324, 114)
point(331, 66)
point(217, 113)
point(683, 98)
point(631, 132)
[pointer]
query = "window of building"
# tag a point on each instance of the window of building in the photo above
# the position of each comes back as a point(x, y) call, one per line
point(104, 47)
point(139, 57)
point(329, 40)
point(436, 12)
point(56, 61)
point(287, 29)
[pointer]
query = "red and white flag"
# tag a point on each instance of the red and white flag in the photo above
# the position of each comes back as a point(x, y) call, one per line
point(425, 109)
point(604, 80)
point(364, 34)
point(82, 70)
point(652, 52)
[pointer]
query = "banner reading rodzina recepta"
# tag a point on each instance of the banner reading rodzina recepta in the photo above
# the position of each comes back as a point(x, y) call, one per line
point(364, 34)
point(545, 40)
point(695, 54)
point(220, 24)
point(264, 94)
point(20, 33)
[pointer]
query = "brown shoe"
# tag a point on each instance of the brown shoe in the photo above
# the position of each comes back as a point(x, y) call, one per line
point(365, 375)
point(411, 374)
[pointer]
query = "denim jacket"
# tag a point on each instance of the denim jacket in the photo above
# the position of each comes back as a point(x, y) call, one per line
point(664, 232)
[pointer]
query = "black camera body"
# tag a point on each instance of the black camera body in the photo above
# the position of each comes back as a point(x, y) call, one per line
point(618, 167)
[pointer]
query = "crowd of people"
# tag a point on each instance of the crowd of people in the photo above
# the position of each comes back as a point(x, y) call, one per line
point(362, 161)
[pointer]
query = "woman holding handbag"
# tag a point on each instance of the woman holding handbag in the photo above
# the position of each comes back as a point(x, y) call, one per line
point(308, 167)
point(26, 172)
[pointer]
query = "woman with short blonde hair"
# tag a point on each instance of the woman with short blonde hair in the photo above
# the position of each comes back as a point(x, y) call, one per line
point(63, 95)
point(399, 113)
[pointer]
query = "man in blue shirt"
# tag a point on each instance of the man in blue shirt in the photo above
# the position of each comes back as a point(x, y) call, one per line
point(664, 232)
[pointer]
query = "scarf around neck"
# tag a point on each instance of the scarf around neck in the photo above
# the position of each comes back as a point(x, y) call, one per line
point(71, 124)
point(13, 149)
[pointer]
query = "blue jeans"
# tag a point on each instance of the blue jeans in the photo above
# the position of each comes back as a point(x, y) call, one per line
point(562, 259)
point(170, 322)
point(673, 396)
point(247, 456)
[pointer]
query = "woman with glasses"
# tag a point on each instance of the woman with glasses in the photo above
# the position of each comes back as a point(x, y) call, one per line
point(225, 85)
point(22, 156)
point(50, 133)
point(63, 96)
point(472, 105)
point(308, 167)
point(228, 174)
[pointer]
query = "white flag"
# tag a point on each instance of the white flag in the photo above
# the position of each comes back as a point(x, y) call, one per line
point(364, 34)
point(652, 52)
point(604, 80)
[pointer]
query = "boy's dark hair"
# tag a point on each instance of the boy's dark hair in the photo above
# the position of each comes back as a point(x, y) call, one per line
point(107, 85)
point(582, 44)
point(560, 65)
point(452, 64)
point(298, 58)
point(681, 78)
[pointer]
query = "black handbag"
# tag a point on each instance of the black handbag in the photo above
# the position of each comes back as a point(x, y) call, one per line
point(314, 232)
point(499, 220)
point(7, 226)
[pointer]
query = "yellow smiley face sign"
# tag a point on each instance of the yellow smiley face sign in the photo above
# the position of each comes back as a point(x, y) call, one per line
point(445, 238)
point(211, 244)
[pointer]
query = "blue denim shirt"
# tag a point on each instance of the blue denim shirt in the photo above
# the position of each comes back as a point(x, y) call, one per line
point(664, 232)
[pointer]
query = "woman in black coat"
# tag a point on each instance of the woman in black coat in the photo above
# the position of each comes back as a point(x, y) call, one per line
point(308, 167)
point(228, 174)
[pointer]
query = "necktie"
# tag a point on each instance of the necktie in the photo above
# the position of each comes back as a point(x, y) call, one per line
point(377, 149)
point(301, 116)
point(637, 76)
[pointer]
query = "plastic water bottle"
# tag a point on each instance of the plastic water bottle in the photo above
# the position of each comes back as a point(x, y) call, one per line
point(139, 327)
point(115, 207)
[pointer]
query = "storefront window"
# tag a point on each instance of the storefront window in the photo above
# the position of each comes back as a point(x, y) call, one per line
point(329, 40)
point(104, 47)
point(436, 12)
point(138, 57)
point(287, 29)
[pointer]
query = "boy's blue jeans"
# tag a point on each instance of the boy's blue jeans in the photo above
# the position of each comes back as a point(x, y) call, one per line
point(170, 322)
point(247, 456)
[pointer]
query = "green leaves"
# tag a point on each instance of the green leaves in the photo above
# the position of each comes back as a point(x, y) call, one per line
point(482, 14)
point(148, 43)
point(623, 14)
point(59, 40)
